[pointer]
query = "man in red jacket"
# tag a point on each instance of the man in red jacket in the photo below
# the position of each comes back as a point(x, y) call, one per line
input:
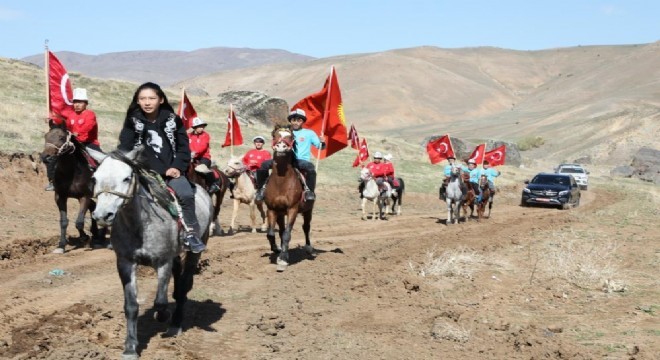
point(200, 151)
point(379, 171)
point(81, 122)
point(253, 158)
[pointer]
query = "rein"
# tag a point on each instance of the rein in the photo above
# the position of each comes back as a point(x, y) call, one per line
point(235, 172)
point(67, 147)
point(125, 196)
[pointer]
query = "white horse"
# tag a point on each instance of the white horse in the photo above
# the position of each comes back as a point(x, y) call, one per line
point(144, 232)
point(244, 193)
point(372, 193)
point(454, 196)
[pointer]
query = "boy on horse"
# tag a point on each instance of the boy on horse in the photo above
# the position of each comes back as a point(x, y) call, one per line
point(255, 157)
point(200, 152)
point(447, 171)
point(380, 171)
point(491, 174)
point(475, 174)
point(304, 140)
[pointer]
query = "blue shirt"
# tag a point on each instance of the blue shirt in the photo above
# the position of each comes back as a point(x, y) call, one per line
point(475, 174)
point(305, 138)
point(448, 169)
point(491, 174)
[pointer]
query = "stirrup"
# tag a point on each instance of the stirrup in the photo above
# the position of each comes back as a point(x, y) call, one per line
point(260, 194)
point(309, 195)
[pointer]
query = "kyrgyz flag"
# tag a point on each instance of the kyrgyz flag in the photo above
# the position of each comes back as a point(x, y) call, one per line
point(439, 149)
point(496, 156)
point(478, 154)
point(186, 111)
point(363, 154)
point(233, 136)
point(325, 116)
point(60, 94)
point(354, 138)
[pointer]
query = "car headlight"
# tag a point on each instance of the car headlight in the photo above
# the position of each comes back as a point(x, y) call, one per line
point(562, 193)
point(526, 190)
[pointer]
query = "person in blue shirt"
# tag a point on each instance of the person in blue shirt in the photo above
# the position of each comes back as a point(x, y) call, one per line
point(302, 149)
point(491, 174)
point(475, 174)
point(447, 171)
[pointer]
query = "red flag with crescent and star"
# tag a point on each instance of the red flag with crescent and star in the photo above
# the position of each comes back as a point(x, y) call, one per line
point(496, 156)
point(234, 136)
point(478, 154)
point(363, 154)
point(439, 149)
point(186, 111)
point(60, 93)
point(325, 116)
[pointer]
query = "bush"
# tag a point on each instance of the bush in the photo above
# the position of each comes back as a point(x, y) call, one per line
point(530, 142)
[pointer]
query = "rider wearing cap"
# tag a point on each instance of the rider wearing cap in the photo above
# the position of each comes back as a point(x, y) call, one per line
point(304, 139)
point(200, 151)
point(451, 164)
point(475, 174)
point(491, 174)
point(379, 170)
point(255, 157)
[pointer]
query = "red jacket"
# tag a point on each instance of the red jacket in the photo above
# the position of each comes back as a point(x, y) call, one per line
point(200, 144)
point(389, 169)
point(377, 170)
point(83, 124)
point(253, 158)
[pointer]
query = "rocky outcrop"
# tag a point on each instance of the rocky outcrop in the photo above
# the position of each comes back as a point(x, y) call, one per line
point(645, 165)
point(463, 149)
point(255, 107)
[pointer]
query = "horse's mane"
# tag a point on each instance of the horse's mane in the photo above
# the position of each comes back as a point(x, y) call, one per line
point(149, 179)
point(279, 127)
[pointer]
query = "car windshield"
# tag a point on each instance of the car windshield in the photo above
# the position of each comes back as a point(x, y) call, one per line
point(571, 170)
point(550, 180)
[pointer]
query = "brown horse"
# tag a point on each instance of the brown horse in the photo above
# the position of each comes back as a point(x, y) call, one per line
point(470, 197)
point(283, 197)
point(199, 178)
point(72, 180)
point(485, 197)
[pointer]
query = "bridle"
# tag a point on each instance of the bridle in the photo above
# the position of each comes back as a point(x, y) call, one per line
point(234, 171)
point(126, 196)
point(67, 147)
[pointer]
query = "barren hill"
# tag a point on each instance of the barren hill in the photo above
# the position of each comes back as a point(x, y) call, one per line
point(598, 101)
point(168, 67)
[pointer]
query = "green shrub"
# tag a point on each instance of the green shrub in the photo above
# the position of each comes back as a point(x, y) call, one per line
point(530, 142)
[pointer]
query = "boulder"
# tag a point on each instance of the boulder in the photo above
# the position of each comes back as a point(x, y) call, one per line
point(647, 165)
point(623, 171)
point(256, 107)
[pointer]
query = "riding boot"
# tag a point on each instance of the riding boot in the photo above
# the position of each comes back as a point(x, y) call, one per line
point(261, 176)
point(231, 189)
point(193, 242)
point(213, 184)
point(310, 185)
point(361, 189)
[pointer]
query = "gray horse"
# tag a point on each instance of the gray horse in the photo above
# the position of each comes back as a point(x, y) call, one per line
point(145, 233)
point(454, 196)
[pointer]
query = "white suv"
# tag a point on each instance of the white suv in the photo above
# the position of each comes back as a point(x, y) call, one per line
point(580, 174)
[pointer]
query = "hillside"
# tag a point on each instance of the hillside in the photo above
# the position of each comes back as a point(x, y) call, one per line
point(168, 67)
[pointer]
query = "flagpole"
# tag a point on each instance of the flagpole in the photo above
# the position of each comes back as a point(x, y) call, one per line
point(483, 157)
point(452, 147)
point(231, 129)
point(183, 95)
point(325, 116)
point(46, 72)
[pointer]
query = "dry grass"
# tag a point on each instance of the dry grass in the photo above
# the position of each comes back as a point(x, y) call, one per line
point(460, 262)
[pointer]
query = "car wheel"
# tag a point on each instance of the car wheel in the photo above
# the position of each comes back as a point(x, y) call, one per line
point(523, 203)
point(565, 206)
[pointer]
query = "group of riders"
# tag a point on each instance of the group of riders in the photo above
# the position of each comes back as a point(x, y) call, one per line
point(474, 174)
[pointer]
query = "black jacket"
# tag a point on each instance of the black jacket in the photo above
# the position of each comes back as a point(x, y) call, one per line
point(165, 141)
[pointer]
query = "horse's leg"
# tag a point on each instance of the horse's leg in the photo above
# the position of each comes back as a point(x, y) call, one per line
point(164, 272)
point(64, 222)
point(364, 212)
point(270, 233)
point(307, 226)
point(490, 205)
point(217, 201)
point(262, 213)
point(183, 283)
point(253, 216)
point(128, 278)
point(84, 203)
point(449, 211)
point(234, 214)
point(374, 206)
point(283, 259)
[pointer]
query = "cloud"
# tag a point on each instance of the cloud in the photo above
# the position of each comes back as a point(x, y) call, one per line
point(9, 14)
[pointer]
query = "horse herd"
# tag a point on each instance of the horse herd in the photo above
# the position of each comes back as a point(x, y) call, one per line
point(144, 217)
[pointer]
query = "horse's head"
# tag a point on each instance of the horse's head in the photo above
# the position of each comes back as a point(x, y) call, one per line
point(365, 174)
point(234, 167)
point(483, 181)
point(456, 171)
point(282, 139)
point(114, 184)
point(58, 141)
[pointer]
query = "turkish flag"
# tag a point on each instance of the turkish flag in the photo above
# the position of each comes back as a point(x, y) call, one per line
point(354, 138)
point(325, 116)
point(234, 136)
point(478, 154)
point(186, 111)
point(496, 156)
point(363, 154)
point(59, 86)
point(439, 149)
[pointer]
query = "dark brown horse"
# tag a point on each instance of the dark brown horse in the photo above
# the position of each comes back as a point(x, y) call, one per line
point(468, 201)
point(216, 197)
point(72, 180)
point(283, 197)
point(484, 199)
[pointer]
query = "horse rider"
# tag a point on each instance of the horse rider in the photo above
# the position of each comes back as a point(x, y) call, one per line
point(253, 159)
point(491, 174)
point(151, 122)
point(379, 171)
point(304, 139)
point(81, 122)
point(451, 160)
point(475, 174)
point(389, 172)
point(200, 151)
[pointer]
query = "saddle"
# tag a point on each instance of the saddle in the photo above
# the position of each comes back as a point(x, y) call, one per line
point(93, 164)
point(163, 194)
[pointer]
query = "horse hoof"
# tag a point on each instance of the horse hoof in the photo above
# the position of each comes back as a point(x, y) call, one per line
point(310, 250)
point(162, 316)
point(172, 332)
point(129, 357)
point(58, 251)
point(254, 230)
point(281, 268)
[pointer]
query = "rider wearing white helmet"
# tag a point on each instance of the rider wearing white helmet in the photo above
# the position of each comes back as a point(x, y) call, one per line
point(200, 151)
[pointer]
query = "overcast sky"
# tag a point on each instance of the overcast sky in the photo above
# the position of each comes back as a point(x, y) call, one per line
point(320, 28)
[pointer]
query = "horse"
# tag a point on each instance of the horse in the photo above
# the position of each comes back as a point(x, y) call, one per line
point(373, 193)
point(454, 195)
point(244, 193)
point(483, 198)
point(196, 174)
point(283, 197)
point(396, 197)
point(71, 180)
point(470, 197)
point(145, 232)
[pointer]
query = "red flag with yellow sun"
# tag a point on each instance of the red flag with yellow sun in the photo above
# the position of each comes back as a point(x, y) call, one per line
point(325, 116)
